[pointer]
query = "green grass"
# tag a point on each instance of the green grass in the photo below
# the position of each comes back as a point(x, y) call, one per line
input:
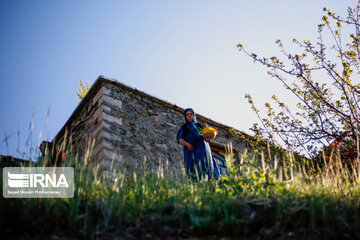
point(256, 200)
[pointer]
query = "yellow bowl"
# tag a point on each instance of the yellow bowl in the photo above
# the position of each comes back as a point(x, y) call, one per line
point(209, 133)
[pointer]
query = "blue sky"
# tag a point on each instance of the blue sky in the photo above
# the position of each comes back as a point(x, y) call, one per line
point(181, 51)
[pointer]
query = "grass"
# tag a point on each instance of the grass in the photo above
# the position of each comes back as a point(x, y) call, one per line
point(266, 201)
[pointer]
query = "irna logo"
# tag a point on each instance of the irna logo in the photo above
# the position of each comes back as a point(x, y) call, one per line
point(17, 180)
point(38, 182)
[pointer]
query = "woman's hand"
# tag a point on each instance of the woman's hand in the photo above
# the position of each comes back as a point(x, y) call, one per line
point(190, 147)
point(186, 144)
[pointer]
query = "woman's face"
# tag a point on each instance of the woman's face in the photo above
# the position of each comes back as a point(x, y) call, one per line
point(189, 116)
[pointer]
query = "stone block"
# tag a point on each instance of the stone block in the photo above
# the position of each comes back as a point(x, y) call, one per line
point(112, 119)
point(112, 101)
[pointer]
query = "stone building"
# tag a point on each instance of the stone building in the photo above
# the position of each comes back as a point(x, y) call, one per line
point(132, 129)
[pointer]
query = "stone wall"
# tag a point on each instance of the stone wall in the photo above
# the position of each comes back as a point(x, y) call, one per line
point(140, 129)
point(133, 130)
point(83, 132)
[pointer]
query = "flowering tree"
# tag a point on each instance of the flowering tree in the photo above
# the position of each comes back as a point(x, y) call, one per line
point(325, 78)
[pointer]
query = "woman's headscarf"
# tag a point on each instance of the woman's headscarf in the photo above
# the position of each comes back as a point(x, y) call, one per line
point(194, 118)
point(188, 125)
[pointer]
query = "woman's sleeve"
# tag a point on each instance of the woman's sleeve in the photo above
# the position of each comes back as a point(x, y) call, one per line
point(181, 133)
point(200, 126)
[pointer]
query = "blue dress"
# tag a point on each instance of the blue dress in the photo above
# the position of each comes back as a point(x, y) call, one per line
point(199, 163)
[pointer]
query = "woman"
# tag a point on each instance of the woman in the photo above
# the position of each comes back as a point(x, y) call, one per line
point(198, 159)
